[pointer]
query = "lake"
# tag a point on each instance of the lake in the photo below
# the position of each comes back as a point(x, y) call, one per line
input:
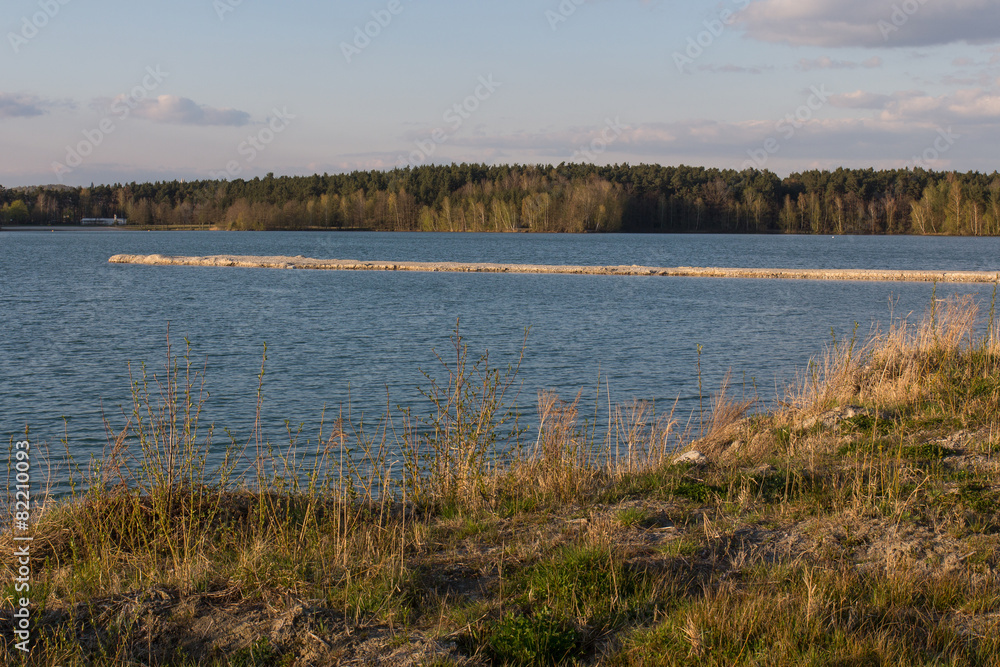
point(73, 323)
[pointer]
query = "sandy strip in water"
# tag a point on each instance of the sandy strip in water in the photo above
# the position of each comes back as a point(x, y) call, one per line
point(299, 262)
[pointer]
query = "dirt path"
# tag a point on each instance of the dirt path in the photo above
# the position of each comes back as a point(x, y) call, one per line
point(299, 262)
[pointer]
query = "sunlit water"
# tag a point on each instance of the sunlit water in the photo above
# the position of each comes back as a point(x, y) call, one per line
point(72, 323)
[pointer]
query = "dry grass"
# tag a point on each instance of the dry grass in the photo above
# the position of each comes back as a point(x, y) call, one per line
point(726, 424)
point(904, 365)
point(867, 537)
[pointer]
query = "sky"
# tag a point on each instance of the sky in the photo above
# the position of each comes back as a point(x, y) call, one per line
point(114, 91)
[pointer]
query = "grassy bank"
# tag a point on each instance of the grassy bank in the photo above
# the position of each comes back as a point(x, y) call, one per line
point(859, 523)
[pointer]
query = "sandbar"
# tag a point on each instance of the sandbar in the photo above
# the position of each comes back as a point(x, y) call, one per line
point(299, 262)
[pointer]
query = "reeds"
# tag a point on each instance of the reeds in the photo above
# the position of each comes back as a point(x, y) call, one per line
point(166, 487)
point(901, 365)
point(583, 547)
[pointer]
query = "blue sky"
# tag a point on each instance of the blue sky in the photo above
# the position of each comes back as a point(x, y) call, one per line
point(111, 91)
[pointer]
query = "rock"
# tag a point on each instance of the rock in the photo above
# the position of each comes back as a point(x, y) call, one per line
point(692, 456)
point(956, 441)
point(831, 418)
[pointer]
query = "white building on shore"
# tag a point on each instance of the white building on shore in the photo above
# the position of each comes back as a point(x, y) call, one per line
point(103, 222)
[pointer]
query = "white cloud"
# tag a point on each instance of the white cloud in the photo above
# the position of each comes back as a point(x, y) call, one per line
point(860, 99)
point(976, 105)
point(183, 111)
point(872, 23)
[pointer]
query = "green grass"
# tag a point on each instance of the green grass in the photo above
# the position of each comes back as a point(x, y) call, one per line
point(539, 640)
point(260, 654)
point(980, 497)
point(925, 452)
point(633, 517)
point(584, 582)
point(868, 425)
point(698, 491)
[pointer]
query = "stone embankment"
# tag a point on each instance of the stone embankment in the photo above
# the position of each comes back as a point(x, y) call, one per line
point(299, 262)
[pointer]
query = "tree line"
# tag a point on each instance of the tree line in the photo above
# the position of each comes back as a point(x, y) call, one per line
point(563, 198)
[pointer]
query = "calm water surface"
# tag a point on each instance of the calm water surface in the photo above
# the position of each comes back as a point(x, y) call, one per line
point(73, 323)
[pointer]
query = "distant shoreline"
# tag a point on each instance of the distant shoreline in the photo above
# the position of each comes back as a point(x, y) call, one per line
point(299, 262)
point(167, 228)
point(571, 197)
point(217, 228)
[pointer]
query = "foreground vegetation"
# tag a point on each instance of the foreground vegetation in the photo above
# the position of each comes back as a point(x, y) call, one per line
point(565, 198)
point(858, 523)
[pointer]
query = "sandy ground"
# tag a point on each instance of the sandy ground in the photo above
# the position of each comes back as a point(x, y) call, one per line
point(299, 262)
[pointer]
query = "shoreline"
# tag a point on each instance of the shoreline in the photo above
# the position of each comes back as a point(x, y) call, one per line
point(857, 523)
point(299, 262)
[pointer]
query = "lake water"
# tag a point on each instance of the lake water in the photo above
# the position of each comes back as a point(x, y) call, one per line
point(72, 322)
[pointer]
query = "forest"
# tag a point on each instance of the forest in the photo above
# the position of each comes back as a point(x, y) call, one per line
point(537, 198)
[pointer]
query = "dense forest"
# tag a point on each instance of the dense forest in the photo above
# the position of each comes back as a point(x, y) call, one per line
point(565, 198)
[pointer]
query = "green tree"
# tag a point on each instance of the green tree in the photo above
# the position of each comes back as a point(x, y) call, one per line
point(16, 213)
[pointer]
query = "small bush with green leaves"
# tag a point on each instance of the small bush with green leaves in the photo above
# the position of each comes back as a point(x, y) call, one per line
point(261, 653)
point(699, 492)
point(580, 581)
point(540, 639)
point(925, 452)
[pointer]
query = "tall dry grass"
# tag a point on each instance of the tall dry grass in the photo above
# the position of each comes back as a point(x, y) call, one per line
point(171, 504)
point(907, 362)
point(726, 421)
